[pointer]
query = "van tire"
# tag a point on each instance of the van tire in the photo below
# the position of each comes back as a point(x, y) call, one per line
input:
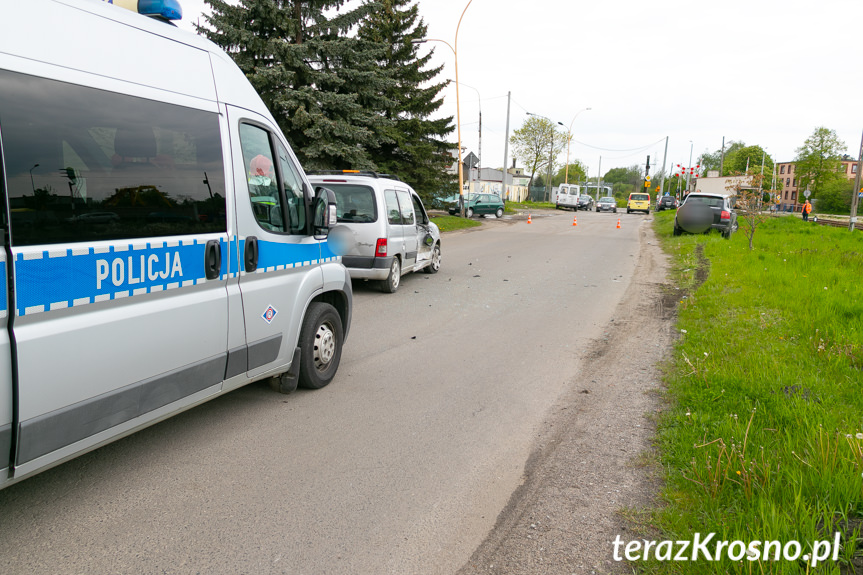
point(434, 264)
point(321, 338)
point(499, 213)
point(391, 284)
point(469, 212)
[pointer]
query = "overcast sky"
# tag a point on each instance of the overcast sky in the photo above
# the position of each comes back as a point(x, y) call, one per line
point(767, 72)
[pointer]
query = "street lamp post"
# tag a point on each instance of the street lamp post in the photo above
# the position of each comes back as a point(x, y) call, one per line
point(457, 107)
point(568, 142)
point(32, 185)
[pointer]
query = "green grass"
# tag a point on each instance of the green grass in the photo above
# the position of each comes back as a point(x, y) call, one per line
point(512, 207)
point(451, 223)
point(762, 438)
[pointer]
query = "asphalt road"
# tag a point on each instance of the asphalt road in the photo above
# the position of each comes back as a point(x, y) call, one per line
point(400, 466)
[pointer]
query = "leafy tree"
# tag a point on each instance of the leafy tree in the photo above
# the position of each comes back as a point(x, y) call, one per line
point(818, 163)
point(711, 161)
point(835, 196)
point(410, 144)
point(748, 158)
point(321, 84)
point(577, 173)
point(534, 141)
point(633, 175)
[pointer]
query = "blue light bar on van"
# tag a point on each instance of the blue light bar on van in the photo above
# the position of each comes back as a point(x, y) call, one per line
point(167, 9)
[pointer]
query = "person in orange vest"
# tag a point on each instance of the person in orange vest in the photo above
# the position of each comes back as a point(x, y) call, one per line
point(807, 208)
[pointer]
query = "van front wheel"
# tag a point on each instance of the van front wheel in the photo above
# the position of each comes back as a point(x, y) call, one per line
point(321, 338)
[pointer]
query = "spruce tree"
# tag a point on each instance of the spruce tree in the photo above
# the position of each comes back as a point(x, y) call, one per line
point(317, 80)
point(409, 145)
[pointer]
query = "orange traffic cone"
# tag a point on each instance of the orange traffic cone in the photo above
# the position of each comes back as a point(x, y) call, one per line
point(575, 220)
point(528, 218)
point(618, 223)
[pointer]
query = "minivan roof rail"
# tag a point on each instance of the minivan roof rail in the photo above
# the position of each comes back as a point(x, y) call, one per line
point(368, 173)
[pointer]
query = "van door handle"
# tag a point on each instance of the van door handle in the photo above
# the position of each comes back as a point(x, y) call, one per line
point(251, 259)
point(213, 259)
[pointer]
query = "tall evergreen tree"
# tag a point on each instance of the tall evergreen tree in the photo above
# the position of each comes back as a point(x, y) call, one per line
point(410, 144)
point(314, 77)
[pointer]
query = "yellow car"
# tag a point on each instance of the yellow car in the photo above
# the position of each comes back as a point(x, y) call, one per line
point(638, 202)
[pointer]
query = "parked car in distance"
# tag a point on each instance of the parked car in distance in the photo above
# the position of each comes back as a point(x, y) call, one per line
point(638, 202)
point(586, 202)
point(384, 227)
point(667, 203)
point(699, 213)
point(567, 196)
point(607, 204)
point(479, 205)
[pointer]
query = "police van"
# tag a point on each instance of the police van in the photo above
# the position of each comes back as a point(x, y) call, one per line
point(161, 244)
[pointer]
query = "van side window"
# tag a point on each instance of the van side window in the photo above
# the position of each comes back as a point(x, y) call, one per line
point(393, 212)
point(264, 193)
point(84, 164)
point(407, 209)
point(293, 192)
point(420, 212)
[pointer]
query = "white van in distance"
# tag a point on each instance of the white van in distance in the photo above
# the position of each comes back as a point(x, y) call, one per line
point(161, 244)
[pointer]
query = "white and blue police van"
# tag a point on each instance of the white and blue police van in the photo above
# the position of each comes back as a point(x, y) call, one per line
point(161, 243)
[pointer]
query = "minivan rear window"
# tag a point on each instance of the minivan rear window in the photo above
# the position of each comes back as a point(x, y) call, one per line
point(639, 197)
point(354, 204)
point(84, 164)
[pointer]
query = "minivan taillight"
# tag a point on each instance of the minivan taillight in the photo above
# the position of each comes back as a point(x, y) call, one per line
point(726, 215)
point(381, 248)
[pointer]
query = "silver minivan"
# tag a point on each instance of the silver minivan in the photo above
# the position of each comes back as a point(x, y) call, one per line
point(384, 226)
point(161, 244)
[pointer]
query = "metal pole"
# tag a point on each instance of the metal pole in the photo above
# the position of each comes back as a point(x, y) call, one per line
point(458, 115)
point(662, 176)
point(550, 154)
point(722, 157)
point(855, 199)
point(506, 146)
point(598, 176)
point(689, 169)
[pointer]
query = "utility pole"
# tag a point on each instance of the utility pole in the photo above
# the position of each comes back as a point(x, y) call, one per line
point(647, 177)
point(855, 196)
point(722, 157)
point(550, 154)
point(598, 176)
point(504, 195)
point(662, 176)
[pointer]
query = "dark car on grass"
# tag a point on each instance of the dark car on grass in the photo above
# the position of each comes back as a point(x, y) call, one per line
point(667, 203)
point(479, 205)
point(700, 213)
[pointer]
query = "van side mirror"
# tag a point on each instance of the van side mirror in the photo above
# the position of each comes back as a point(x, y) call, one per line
point(325, 214)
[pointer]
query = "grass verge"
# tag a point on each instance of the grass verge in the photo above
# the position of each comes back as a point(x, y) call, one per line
point(451, 223)
point(762, 439)
point(513, 207)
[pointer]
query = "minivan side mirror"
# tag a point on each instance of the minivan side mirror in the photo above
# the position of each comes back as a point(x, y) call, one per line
point(325, 213)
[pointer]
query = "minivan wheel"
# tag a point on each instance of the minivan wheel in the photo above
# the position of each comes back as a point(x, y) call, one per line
point(499, 213)
point(391, 284)
point(434, 265)
point(321, 340)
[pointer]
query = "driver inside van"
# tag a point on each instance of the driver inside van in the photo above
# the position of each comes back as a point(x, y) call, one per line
point(261, 171)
